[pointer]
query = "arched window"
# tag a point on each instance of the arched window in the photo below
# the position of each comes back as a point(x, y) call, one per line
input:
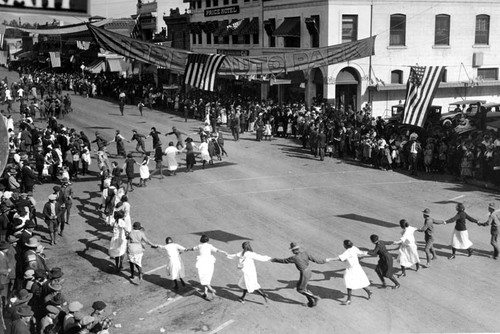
point(482, 30)
point(397, 30)
point(397, 77)
point(442, 30)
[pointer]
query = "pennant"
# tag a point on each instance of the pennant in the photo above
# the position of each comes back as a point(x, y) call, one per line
point(422, 85)
point(234, 26)
point(201, 70)
point(137, 30)
point(55, 59)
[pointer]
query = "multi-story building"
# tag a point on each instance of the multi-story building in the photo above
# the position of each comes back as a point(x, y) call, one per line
point(452, 33)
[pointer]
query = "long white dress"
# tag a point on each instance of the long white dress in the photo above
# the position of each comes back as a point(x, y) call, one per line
point(175, 267)
point(144, 169)
point(118, 243)
point(125, 208)
point(205, 262)
point(408, 252)
point(204, 151)
point(354, 276)
point(248, 280)
point(171, 153)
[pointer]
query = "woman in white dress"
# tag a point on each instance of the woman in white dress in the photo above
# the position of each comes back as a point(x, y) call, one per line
point(205, 263)
point(171, 152)
point(118, 243)
point(248, 280)
point(205, 155)
point(124, 206)
point(144, 170)
point(175, 267)
point(408, 252)
point(354, 276)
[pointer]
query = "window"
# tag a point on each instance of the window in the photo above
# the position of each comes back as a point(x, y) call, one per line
point(208, 3)
point(209, 38)
point(488, 73)
point(442, 31)
point(234, 1)
point(444, 77)
point(215, 3)
point(226, 2)
point(194, 38)
point(312, 25)
point(397, 77)
point(349, 28)
point(269, 26)
point(235, 39)
point(482, 30)
point(200, 36)
point(199, 3)
point(398, 30)
point(255, 38)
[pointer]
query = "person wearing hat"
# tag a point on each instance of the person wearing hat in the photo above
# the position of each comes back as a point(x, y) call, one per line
point(27, 232)
point(428, 230)
point(177, 134)
point(415, 148)
point(29, 279)
point(52, 212)
point(6, 267)
point(135, 249)
point(140, 141)
point(99, 319)
point(494, 222)
point(52, 313)
point(154, 134)
point(24, 323)
point(12, 183)
point(21, 299)
point(28, 178)
point(73, 316)
point(301, 260)
point(65, 198)
point(32, 259)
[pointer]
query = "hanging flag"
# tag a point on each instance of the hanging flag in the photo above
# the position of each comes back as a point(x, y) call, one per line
point(137, 30)
point(201, 70)
point(2, 35)
point(55, 59)
point(83, 45)
point(234, 25)
point(422, 85)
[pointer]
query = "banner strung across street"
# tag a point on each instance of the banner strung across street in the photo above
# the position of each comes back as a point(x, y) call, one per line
point(175, 59)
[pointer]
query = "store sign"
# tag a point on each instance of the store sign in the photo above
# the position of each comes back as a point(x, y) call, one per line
point(232, 52)
point(221, 11)
point(37, 6)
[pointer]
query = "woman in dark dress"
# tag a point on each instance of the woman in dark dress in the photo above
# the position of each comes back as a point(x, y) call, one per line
point(190, 158)
point(384, 266)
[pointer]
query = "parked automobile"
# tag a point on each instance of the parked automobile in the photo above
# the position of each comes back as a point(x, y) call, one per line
point(458, 108)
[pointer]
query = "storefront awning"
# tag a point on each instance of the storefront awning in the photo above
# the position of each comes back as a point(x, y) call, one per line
point(222, 28)
point(252, 28)
point(97, 66)
point(229, 28)
point(289, 28)
point(114, 65)
point(240, 28)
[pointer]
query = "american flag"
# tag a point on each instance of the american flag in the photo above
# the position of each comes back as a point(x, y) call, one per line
point(55, 59)
point(422, 85)
point(137, 30)
point(201, 70)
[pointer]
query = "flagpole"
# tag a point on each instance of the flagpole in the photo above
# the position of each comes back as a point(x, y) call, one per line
point(370, 58)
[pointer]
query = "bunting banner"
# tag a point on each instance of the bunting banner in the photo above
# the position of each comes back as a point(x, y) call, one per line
point(175, 60)
point(68, 29)
point(2, 35)
point(83, 45)
point(55, 59)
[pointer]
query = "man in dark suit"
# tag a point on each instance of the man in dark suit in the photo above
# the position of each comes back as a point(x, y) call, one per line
point(28, 178)
point(52, 213)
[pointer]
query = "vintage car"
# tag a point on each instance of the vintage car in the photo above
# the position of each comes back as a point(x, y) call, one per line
point(458, 108)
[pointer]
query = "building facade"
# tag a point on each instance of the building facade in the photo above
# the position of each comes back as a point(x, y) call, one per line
point(459, 35)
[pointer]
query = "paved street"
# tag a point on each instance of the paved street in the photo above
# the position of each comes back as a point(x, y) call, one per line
point(272, 193)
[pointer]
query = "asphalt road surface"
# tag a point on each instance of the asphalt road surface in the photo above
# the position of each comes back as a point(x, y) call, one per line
point(272, 193)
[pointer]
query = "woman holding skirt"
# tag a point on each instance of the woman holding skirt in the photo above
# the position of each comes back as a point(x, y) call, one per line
point(408, 252)
point(205, 263)
point(248, 280)
point(460, 236)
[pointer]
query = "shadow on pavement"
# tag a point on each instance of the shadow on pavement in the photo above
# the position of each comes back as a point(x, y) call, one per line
point(368, 220)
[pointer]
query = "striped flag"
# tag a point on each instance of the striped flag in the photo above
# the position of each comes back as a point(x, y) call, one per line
point(201, 70)
point(422, 85)
point(55, 59)
point(2, 35)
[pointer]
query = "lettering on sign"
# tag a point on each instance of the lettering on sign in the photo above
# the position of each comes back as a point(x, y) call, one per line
point(222, 11)
point(71, 6)
point(233, 52)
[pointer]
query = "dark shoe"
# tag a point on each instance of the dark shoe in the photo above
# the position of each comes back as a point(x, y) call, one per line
point(396, 286)
point(241, 300)
point(451, 257)
point(131, 277)
point(401, 275)
point(347, 302)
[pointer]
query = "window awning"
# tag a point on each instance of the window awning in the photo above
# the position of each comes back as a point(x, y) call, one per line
point(222, 28)
point(96, 66)
point(252, 28)
point(209, 26)
point(229, 28)
point(114, 65)
point(289, 28)
point(242, 26)
point(269, 27)
point(194, 27)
